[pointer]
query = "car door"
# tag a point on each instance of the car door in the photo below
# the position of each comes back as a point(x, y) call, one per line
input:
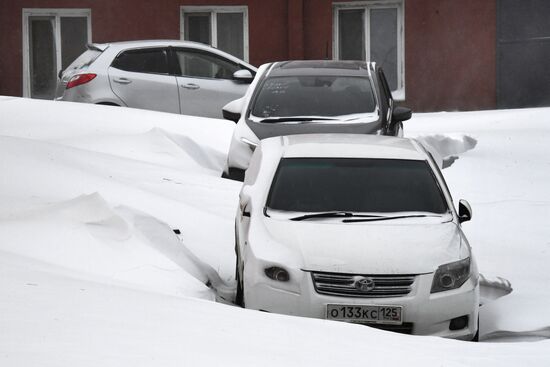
point(141, 79)
point(205, 82)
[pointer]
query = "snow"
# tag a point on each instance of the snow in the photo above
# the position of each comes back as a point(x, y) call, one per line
point(91, 272)
point(505, 177)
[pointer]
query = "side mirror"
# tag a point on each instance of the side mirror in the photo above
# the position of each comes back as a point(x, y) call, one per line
point(464, 211)
point(401, 114)
point(232, 110)
point(243, 76)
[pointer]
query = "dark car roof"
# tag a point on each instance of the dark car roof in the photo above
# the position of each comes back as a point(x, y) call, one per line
point(320, 67)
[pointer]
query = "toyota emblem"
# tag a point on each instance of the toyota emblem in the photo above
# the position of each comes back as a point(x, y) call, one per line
point(365, 284)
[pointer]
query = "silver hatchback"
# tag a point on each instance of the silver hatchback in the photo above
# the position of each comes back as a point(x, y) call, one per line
point(170, 76)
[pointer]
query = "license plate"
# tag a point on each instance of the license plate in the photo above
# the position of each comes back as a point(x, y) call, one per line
point(365, 313)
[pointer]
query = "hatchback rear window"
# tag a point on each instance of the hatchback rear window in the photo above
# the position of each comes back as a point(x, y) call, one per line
point(314, 96)
point(353, 184)
point(84, 60)
point(143, 61)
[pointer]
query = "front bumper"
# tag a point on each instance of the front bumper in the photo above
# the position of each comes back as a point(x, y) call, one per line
point(429, 314)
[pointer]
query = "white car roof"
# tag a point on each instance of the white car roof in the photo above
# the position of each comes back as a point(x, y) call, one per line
point(346, 146)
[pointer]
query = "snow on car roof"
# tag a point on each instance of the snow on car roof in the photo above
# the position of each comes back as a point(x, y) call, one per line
point(347, 145)
point(321, 67)
point(146, 43)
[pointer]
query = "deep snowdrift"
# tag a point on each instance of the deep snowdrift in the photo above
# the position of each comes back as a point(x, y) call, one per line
point(92, 273)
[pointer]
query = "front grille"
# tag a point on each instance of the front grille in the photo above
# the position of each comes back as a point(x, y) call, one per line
point(337, 284)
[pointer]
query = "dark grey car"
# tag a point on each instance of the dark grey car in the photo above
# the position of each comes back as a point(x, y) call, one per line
point(302, 97)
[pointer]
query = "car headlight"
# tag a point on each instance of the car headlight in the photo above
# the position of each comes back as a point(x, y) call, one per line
point(451, 276)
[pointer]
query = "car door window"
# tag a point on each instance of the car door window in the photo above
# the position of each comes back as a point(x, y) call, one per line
point(151, 60)
point(191, 63)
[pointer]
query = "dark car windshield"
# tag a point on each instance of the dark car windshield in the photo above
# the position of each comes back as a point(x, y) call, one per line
point(314, 96)
point(355, 184)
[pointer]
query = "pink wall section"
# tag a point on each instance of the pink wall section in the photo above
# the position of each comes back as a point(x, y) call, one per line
point(449, 45)
point(450, 51)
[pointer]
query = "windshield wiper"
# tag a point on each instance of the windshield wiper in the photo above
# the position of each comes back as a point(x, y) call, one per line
point(389, 218)
point(334, 214)
point(296, 119)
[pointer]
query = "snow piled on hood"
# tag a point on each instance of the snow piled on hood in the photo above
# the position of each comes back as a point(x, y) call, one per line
point(91, 272)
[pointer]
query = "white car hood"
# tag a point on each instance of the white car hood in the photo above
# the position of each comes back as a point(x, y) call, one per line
point(405, 246)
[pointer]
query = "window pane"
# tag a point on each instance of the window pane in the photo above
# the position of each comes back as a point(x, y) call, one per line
point(230, 33)
point(143, 61)
point(351, 34)
point(197, 27)
point(74, 37)
point(205, 65)
point(383, 42)
point(352, 184)
point(314, 96)
point(43, 66)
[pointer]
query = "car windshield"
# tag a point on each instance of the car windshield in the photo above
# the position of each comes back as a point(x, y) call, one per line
point(356, 185)
point(314, 96)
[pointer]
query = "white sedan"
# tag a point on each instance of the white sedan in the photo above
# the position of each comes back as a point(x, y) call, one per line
point(355, 228)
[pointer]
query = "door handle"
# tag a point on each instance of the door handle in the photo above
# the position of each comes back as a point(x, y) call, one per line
point(190, 86)
point(122, 80)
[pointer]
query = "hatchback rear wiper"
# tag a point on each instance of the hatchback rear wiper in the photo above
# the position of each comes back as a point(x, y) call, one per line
point(389, 218)
point(296, 119)
point(334, 214)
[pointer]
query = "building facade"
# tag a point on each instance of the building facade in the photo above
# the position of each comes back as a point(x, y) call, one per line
point(437, 54)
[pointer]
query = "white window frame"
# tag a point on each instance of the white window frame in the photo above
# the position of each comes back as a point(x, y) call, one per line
point(58, 14)
point(214, 11)
point(367, 6)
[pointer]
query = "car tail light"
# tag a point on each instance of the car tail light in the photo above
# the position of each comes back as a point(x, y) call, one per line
point(80, 79)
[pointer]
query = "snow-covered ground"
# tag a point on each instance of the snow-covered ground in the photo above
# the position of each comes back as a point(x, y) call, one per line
point(91, 272)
